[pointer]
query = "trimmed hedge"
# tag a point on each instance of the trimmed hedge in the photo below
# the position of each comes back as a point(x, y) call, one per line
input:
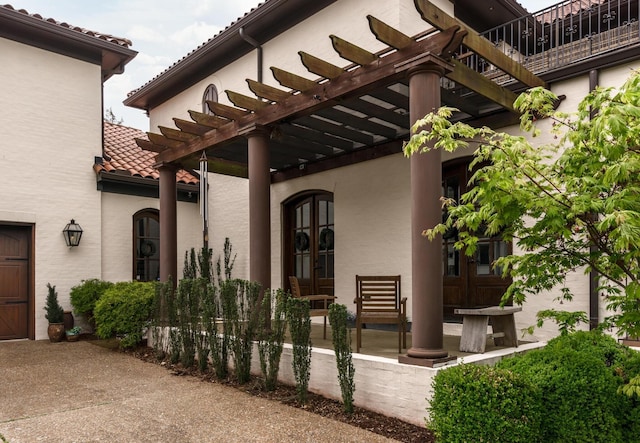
point(577, 376)
point(124, 311)
point(85, 295)
point(481, 403)
point(565, 392)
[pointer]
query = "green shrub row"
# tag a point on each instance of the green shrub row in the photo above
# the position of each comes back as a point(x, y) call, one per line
point(565, 392)
point(124, 311)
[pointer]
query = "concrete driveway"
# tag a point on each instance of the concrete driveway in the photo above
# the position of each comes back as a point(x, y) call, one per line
point(80, 392)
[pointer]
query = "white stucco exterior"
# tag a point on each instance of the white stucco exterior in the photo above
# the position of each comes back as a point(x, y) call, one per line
point(51, 113)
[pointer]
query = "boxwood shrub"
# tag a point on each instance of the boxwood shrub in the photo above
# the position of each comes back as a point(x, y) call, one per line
point(85, 295)
point(564, 392)
point(124, 311)
point(480, 403)
point(577, 377)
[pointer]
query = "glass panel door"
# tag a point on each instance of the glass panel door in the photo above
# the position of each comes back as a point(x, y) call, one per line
point(310, 243)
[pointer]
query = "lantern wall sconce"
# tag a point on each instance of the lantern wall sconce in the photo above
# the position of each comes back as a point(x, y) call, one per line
point(72, 233)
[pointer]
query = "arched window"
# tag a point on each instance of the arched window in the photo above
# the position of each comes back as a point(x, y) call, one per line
point(211, 94)
point(146, 245)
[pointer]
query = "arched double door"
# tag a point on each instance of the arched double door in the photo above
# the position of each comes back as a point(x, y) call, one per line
point(309, 242)
point(469, 282)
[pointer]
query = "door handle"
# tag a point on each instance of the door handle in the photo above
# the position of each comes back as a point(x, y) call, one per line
point(15, 259)
point(16, 302)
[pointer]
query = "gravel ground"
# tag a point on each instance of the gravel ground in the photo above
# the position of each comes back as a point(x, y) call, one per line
point(79, 392)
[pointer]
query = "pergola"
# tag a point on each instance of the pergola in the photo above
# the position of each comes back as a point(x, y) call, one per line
point(349, 114)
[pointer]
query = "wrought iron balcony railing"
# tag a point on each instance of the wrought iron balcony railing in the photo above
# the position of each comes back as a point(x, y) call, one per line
point(566, 33)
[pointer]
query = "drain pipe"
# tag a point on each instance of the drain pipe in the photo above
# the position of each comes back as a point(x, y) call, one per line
point(594, 314)
point(253, 42)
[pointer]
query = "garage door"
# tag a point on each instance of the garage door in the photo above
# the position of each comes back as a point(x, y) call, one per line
point(14, 282)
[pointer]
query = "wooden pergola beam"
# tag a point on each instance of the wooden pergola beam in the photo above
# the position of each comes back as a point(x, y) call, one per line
point(149, 146)
point(351, 52)
point(320, 67)
point(480, 45)
point(211, 121)
point(226, 111)
point(161, 140)
point(191, 127)
point(267, 92)
point(482, 85)
point(388, 35)
point(176, 134)
point(227, 167)
point(243, 101)
point(359, 81)
point(291, 80)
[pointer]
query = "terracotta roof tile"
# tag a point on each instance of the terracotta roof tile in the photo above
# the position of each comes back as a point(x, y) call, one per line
point(106, 37)
point(123, 156)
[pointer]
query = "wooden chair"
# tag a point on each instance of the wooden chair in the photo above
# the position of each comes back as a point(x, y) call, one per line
point(313, 312)
point(378, 300)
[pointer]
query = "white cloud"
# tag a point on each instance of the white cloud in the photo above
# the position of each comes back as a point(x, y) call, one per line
point(195, 32)
point(138, 33)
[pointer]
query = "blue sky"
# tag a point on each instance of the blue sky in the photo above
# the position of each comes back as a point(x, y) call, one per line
point(162, 32)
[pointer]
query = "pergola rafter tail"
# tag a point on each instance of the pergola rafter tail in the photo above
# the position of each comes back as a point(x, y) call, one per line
point(388, 34)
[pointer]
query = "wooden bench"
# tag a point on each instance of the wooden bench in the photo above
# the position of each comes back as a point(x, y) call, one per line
point(474, 327)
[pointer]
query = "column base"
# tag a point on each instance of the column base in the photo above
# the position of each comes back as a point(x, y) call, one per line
point(427, 362)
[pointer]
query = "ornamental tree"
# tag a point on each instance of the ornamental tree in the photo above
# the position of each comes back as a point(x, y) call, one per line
point(571, 205)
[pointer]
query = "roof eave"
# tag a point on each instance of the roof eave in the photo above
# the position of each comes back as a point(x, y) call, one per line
point(34, 31)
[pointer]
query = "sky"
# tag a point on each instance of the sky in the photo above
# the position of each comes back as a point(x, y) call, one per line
point(162, 31)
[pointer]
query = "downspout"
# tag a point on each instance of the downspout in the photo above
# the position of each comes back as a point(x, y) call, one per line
point(594, 314)
point(253, 42)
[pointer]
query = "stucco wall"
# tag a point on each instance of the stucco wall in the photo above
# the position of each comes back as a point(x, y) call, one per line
point(229, 218)
point(117, 233)
point(372, 221)
point(51, 114)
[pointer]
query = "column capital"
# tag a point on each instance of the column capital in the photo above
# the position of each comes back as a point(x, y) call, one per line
point(254, 130)
point(166, 166)
point(424, 62)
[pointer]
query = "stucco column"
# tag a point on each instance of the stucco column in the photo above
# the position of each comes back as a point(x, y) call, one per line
point(259, 205)
point(168, 223)
point(424, 74)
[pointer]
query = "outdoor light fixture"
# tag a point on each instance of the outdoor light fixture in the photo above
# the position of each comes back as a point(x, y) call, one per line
point(72, 233)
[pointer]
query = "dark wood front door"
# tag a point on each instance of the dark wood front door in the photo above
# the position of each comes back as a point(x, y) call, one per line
point(309, 243)
point(14, 282)
point(469, 282)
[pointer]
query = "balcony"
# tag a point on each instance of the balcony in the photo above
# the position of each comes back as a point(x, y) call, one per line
point(565, 39)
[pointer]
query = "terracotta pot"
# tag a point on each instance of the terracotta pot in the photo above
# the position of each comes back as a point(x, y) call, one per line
point(56, 332)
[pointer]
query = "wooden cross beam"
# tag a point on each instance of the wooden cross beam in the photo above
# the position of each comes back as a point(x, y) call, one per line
point(478, 44)
point(243, 101)
point(191, 127)
point(149, 146)
point(226, 111)
point(267, 92)
point(212, 121)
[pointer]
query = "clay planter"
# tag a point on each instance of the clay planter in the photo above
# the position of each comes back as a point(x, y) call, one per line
point(56, 332)
point(73, 337)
